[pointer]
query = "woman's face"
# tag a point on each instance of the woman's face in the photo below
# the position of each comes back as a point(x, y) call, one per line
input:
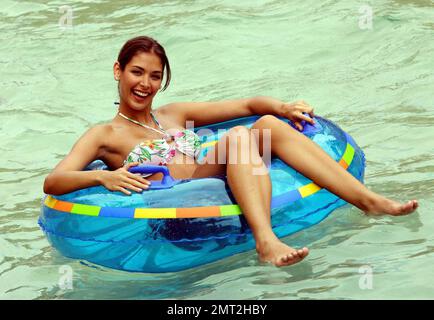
point(140, 81)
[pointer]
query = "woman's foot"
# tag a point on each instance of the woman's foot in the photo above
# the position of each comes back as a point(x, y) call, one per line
point(383, 205)
point(278, 253)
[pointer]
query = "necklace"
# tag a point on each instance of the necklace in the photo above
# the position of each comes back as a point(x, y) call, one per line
point(166, 135)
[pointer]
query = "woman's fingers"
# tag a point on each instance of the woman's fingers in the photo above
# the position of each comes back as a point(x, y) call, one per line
point(309, 111)
point(306, 118)
point(139, 182)
point(305, 107)
point(297, 110)
point(136, 185)
point(131, 164)
point(135, 176)
point(123, 190)
point(124, 181)
point(298, 125)
point(138, 177)
point(133, 187)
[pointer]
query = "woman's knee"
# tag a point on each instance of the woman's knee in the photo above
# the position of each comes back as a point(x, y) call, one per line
point(238, 134)
point(266, 122)
point(238, 130)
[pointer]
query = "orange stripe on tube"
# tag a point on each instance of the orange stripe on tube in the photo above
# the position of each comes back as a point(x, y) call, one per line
point(63, 206)
point(343, 164)
point(198, 212)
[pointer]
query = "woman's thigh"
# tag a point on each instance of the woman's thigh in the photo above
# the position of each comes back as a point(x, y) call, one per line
point(214, 162)
point(182, 168)
point(217, 158)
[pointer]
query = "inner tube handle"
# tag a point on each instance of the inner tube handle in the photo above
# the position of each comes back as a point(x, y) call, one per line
point(147, 168)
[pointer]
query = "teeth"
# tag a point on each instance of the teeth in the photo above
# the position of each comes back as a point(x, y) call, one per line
point(140, 93)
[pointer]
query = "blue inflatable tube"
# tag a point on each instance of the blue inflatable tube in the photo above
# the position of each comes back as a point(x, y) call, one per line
point(181, 224)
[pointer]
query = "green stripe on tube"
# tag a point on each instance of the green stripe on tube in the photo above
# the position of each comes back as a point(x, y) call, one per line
point(85, 209)
point(349, 154)
point(230, 210)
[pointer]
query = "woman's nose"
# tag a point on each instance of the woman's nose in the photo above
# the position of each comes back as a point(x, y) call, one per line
point(145, 82)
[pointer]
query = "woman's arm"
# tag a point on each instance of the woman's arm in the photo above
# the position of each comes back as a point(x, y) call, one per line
point(204, 113)
point(67, 175)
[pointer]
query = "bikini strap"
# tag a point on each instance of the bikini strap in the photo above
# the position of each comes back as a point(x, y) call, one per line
point(156, 121)
point(166, 135)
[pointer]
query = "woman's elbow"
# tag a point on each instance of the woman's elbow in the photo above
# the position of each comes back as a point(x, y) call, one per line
point(49, 185)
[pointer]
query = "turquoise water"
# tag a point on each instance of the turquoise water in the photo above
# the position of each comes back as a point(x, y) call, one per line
point(375, 80)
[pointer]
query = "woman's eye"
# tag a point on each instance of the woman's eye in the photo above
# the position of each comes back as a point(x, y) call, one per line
point(136, 72)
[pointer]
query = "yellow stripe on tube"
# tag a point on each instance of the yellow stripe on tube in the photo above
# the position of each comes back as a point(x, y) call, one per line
point(50, 201)
point(155, 213)
point(309, 189)
point(208, 144)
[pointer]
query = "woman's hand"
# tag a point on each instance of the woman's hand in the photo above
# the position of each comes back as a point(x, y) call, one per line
point(294, 112)
point(122, 180)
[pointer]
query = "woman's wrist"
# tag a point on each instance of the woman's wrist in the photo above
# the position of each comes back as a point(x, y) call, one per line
point(262, 105)
point(99, 176)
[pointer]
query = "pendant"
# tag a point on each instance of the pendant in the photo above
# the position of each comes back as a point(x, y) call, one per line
point(168, 137)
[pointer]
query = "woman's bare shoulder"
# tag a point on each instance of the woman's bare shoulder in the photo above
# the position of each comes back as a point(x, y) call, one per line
point(100, 129)
point(104, 128)
point(169, 115)
point(99, 134)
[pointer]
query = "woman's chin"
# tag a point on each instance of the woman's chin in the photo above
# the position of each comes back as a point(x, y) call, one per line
point(140, 103)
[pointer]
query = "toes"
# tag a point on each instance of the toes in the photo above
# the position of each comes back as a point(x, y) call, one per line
point(301, 253)
point(285, 259)
point(410, 206)
point(294, 257)
point(405, 208)
point(291, 256)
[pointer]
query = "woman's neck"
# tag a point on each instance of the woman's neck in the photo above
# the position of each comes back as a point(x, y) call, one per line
point(142, 116)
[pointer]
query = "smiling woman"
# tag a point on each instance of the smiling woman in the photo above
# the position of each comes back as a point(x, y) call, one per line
point(148, 45)
point(141, 64)
point(137, 135)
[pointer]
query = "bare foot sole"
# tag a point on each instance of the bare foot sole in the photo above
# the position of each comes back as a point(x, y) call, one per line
point(386, 206)
point(279, 254)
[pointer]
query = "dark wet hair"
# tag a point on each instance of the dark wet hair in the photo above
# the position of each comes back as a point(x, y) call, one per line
point(144, 44)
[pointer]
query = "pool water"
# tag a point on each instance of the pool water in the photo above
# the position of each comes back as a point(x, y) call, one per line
point(368, 66)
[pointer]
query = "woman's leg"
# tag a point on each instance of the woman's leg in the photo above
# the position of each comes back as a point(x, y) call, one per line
point(252, 192)
point(309, 159)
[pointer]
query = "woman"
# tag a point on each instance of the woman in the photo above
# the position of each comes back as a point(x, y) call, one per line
point(139, 135)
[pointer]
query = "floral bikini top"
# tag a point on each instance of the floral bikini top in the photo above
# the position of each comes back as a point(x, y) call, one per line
point(160, 151)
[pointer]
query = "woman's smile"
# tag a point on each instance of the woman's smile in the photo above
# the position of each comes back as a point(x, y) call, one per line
point(141, 80)
point(139, 95)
